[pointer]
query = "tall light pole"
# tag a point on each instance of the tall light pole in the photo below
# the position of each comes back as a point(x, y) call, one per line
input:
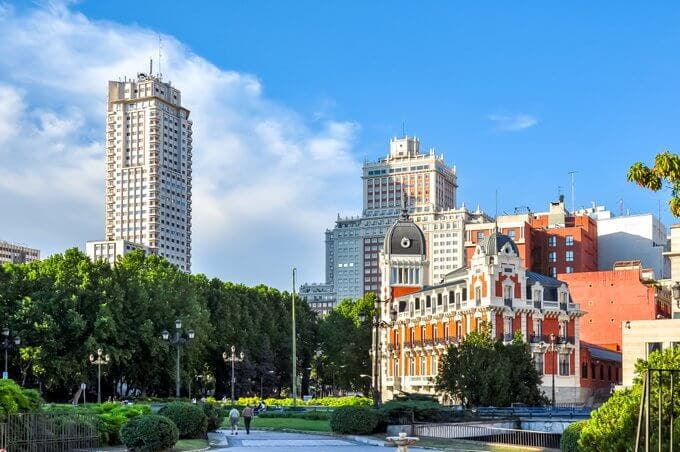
point(376, 324)
point(233, 359)
point(98, 361)
point(6, 345)
point(552, 346)
point(178, 341)
point(294, 391)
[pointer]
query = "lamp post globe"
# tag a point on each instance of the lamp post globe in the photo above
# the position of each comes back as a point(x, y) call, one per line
point(178, 341)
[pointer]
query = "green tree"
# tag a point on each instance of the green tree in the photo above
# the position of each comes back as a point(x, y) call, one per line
point(613, 425)
point(482, 371)
point(666, 168)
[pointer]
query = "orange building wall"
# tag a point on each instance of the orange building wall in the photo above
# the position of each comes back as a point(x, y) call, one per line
point(399, 291)
point(610, 298)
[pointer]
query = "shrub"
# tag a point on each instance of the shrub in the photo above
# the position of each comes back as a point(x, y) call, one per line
point(149, 433)
point(570, 436)
point(214, 414)
point(189, 419)
point(342, 401)
point(612, 426)
point(309, 415)
point(397, 411)
point(354, 420)
point(14, 399)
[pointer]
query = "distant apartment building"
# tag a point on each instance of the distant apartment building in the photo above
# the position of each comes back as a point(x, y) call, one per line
point(549, 243)
point(148, 169)
point(610, 298)
point(111, 250)
point(319, 297)
point(422, 184)
point(17, 254)
point(631, 237)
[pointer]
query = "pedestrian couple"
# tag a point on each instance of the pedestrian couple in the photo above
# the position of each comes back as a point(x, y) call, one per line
point(234, 415)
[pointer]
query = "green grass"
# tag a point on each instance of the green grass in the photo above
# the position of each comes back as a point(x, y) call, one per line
point(190, 444)
point(290, 423)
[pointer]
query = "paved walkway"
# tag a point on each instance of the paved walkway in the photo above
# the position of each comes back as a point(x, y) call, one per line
point(265, 441)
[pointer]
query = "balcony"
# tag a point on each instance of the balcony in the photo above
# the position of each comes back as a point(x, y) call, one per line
point(508, 337)
point(507, 302)
point(417, 380)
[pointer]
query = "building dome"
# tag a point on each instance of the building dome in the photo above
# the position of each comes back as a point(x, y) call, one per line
point(405, 237)
point(496, 242)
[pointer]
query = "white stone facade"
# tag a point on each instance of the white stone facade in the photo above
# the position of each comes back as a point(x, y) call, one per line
point(148, 168)
point(17, 254)
point(111, 250)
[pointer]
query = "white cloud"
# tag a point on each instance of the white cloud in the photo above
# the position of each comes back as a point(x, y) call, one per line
point(265, 179)
point(515, 122)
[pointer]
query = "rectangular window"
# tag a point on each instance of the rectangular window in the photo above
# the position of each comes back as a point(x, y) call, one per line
point(584, 370)
point(423, 365)
point(435, 365)
point(478, 294)
point(564, 364)
point(480, 236)
point(569, 240)
point(552, 256)
point(653, 347)
point(552, 241)
point(569, 270)
point(538, 362)
point(569, 256)
point(507, 292)
point(553, 272)
point(511, 234)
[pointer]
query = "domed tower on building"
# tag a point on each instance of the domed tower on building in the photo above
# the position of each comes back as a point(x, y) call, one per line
point(403, 264)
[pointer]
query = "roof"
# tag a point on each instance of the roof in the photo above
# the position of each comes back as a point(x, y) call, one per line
point(546, 281)
point(405, 238)
point(495, 243)
point(601, 353)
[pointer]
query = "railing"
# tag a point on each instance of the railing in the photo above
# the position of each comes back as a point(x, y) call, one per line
point(545, 338)
point(59, 431)
point(561, 410)
point(528, 438)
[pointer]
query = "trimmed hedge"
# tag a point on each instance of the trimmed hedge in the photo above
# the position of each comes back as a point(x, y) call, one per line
point(309, 415)
point(570, 436)
point(189, 419)
point(214, 414)
point(333, 402)
point(396, 411)
point(149, 433)
point(354, 420)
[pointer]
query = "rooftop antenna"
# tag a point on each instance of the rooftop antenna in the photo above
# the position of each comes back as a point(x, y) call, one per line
point(160, 44)
point(403, 128)
point(496, 219)
point(572, 190)
point(150, 66)
point(621, 207)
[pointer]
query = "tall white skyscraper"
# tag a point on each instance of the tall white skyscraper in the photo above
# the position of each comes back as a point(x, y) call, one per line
point(148, 169)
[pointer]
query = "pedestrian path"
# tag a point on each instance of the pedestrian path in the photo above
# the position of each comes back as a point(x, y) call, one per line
point(270, 441)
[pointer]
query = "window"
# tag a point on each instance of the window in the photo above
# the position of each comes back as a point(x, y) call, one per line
point(423, 365)
point(511, 234)
point(569, 269)
point(412, 366)
point(569, 240)
point(564, 364)
point(459, 329)
point(434, 364)
point(538, 327)
point(552, 241)
point(478, 294)
point(480, 236)
point(538, 362)
point(553, 272)
point(537, 295)
point(552, 256)
point(507, 292)
point(653, 346)
point(569, 256)
point(584, 370)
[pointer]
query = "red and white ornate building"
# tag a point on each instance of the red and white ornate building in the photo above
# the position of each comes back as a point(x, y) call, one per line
point(420, 321)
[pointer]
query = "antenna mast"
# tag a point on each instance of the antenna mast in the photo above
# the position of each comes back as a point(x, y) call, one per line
point(572, 190)
point(159, 55)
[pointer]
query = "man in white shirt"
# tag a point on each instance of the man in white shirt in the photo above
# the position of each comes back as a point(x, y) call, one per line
point(233, 418)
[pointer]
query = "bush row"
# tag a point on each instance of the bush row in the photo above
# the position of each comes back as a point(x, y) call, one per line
point(15, 399)
point(309, 415)
point(333, 402)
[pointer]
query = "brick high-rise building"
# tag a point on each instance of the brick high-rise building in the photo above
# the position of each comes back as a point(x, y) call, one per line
point(549, 243)
point(148, 168)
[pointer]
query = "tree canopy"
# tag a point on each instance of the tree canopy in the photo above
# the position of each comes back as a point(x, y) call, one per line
point(666, 168)
point(482, 371)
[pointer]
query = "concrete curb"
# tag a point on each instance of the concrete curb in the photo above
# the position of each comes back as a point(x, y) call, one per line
point(366, 440)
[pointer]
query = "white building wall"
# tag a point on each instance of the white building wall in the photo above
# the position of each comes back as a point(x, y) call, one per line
point(633, 237)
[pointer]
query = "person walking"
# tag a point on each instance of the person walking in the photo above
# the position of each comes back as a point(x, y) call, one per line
point(233, 418)
point(247, 417)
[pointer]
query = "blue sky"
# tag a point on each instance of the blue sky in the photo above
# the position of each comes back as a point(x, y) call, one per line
point(516, 95)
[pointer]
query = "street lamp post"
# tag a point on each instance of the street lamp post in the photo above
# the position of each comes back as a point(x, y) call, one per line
point(98, 361)
point(294, 360)
point(233, 359)
point(6, 345)
point(178, 341)
point(552, 347)
point(377, 324)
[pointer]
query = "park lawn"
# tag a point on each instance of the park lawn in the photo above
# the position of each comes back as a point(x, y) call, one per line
point(190, 444)
point(284, 423)
point(471, 446)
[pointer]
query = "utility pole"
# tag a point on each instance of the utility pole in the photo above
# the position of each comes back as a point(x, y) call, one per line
point(294, 392)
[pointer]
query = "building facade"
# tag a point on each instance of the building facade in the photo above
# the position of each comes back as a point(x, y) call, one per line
point(549, 242)
point(632, 237)
point(497, 290)
point(149, 168)
point(17, 254)
point(111, 250)
point(610, 298)
point(319, 297)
